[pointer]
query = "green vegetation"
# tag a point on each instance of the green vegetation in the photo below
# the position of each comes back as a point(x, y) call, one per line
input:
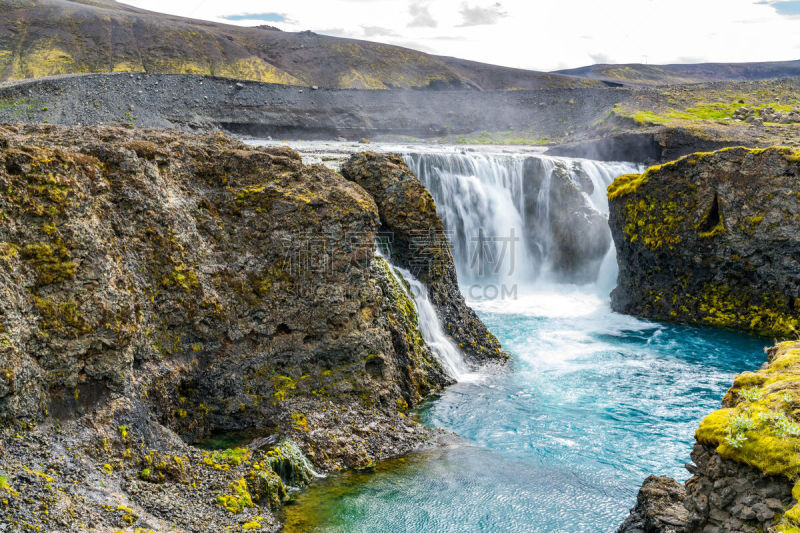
point(761, 428)
point(52, 262)
point(707, 105)
point(223, 460)
point(239, 500)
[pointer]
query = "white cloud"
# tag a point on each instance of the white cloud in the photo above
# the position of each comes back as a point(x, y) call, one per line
point(537, 34)
point(420, 16)
point(481, 15)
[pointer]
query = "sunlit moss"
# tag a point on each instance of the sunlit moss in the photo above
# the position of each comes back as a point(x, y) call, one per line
point(761, 427)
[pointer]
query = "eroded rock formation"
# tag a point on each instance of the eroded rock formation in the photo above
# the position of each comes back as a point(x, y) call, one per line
point(418, 242)
point(162, 289)
point(713, 238)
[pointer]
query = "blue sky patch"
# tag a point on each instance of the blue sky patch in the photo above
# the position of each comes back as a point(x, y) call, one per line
point(277, 17)
point(784, 7)
point(787, 8)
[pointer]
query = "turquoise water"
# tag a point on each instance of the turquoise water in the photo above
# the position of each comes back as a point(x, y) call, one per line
point(591, 404)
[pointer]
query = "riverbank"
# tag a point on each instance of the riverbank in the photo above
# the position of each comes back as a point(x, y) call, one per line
point(177, 354)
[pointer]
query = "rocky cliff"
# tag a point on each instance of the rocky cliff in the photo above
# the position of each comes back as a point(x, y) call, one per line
point(416, 237)
point(167, 295)
point(713, 239)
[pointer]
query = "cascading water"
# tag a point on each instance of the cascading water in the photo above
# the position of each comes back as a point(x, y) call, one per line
point(522, 218)
point(592, 402)
point(429, 324)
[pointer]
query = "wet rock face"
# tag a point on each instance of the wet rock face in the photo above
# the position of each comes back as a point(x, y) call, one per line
point(713, 238)
point(659, 508)
point(418, 242)
point(723, 495)
point(570, 234)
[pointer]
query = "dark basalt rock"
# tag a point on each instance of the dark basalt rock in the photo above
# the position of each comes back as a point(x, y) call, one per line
point(713, 238)
point(160, 288)
point(572, 234)
point(418, 243)
point(659, 508)
point(724, 495)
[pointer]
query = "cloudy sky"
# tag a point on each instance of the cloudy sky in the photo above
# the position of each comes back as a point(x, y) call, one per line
point(534, 34)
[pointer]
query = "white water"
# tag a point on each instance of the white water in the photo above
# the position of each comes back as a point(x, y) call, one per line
point(503, 196)
point(498, 208)
point(430, 326)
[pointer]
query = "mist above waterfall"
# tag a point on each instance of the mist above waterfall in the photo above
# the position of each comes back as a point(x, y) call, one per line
point(530, 220)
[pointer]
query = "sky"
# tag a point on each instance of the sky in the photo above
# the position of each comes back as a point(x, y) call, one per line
point(533, 34)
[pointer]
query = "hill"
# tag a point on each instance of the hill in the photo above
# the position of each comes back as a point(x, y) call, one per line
point(50, 37)
point(639, 74)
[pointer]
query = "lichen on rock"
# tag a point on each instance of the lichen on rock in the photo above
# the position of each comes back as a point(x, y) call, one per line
point(161, 288)
point(713, 239)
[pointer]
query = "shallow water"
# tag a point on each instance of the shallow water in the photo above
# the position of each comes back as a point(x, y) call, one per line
point(591, 404)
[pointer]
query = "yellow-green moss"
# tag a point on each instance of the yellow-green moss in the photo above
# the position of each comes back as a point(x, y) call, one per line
point(256, 69)
point(282, 386)
point(52, 262)
point(761, 428)
point(239, 500)
point(181, 276)
point(723, 306)
point(60, 317)
point(653, 221)
point(626, 184)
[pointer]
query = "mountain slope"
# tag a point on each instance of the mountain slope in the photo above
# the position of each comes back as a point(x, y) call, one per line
point(639, 74)
point(49, 37)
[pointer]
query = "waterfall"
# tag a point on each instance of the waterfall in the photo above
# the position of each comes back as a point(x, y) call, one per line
point(525, 219)
point(430, 326)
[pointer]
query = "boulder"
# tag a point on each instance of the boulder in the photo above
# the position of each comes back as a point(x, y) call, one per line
point(659, 508)
point(712, 239)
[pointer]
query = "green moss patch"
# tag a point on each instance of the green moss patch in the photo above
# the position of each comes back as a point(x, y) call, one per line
point(761, 426)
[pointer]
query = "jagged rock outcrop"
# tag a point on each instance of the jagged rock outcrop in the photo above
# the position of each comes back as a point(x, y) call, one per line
point(659, 508)
point(160, 289)
point(419, 243)
point(745, 461)
point(712, 238)
point(725, 495)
